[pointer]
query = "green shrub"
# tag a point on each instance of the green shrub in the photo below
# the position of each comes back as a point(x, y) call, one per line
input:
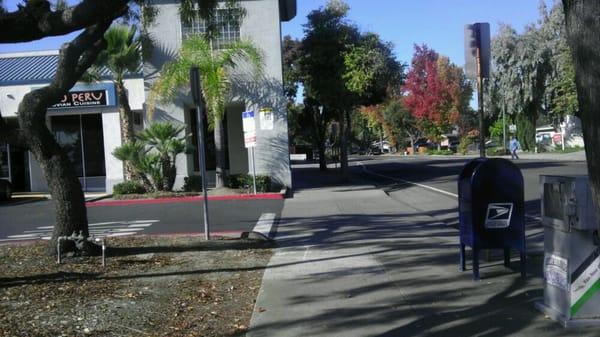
point(464, 144)
point(153, 153)
point(440, 152)
point(244, 181)
point(128, 187)
point(236, 180)
point(263, 183)
point(569, 149)
point(192, 184)
point(497, 151)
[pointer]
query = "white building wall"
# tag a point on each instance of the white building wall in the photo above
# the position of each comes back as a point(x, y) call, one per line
point(112, 139)
point(166, 35)
point(135, 93)
point(10, 98)
point(261, 24)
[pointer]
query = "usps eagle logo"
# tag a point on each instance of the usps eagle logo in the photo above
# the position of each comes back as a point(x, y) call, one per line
point(498, 215)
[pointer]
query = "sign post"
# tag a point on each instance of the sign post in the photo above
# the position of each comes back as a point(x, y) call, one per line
point(249, 126)
point(477, 64)
point(196, 95)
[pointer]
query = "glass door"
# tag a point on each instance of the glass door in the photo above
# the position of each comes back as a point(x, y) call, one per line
point(4, 161)
point(81, 137)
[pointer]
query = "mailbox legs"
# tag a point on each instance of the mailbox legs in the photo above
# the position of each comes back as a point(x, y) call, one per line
point(475, 264)
point(507, 257)
point(523, 264)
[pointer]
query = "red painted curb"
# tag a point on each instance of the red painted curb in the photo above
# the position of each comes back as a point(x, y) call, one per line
point(192, 234)
point(264, 196)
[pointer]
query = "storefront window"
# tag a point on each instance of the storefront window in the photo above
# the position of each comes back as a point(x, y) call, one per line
point(68, 135)
point(72, 132)
point(4, 166)
point(93, 145)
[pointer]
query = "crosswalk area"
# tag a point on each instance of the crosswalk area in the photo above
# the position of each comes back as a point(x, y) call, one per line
point(99, 230)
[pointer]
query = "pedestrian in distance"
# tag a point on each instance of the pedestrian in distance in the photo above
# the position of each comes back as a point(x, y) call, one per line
point(514, 146)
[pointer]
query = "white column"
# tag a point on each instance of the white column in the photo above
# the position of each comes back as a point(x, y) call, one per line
point(112, 139)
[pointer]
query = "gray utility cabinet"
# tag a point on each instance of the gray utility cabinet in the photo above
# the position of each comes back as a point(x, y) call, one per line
point(571, 258)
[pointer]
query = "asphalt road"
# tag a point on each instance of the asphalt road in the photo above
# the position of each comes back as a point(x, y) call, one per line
point(441, 173)
point(37, 218)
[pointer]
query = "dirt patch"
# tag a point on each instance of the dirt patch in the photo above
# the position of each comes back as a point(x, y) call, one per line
point(151, 286)
point(157, 195)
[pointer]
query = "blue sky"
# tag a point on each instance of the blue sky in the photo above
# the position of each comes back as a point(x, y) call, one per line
point(438, 23)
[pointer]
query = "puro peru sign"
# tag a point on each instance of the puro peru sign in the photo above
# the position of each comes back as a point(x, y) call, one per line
point(76, 99)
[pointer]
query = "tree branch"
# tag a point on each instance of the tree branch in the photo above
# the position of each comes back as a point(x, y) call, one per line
point(35, 19)
point(75, 58)
point(78, 55)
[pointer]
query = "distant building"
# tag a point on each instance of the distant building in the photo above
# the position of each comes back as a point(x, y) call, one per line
point(86, 121)
point(549, 137)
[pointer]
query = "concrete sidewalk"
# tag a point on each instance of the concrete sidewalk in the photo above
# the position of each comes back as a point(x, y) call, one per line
point(554, 156)
point(354, 262)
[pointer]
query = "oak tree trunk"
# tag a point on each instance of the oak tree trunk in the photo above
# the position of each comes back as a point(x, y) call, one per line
point(322, 157)
point(343, 146)
point(583, 26)
point(63, 183)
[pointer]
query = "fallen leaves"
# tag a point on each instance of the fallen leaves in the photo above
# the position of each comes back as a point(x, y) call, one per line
point(161, 293)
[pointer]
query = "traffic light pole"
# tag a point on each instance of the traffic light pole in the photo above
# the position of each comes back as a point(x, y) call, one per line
point(480, 105)
point(195, 87)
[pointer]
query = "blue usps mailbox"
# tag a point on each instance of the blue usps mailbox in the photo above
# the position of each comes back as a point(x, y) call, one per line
point(491, 210)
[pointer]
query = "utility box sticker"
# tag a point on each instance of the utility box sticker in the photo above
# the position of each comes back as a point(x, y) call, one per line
point(498, 215)
point(585, 281)
point(556, 271)
point(266, 119)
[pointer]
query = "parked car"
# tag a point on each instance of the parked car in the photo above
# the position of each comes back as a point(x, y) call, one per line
point(386, 147)
point(424, 142)
point(376, 150)
point(491, 144)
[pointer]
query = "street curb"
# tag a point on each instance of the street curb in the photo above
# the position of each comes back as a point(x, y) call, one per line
point(100, 197)
point(263, 230)
point(263, 196)
point(227, 234)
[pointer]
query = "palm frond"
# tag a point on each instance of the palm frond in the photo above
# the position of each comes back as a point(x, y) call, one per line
point(215, 68)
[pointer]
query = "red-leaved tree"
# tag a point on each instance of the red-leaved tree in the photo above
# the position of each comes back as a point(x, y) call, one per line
point(434, 92)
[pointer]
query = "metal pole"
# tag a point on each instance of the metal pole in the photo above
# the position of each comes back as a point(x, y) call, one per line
point(9, 163)
point(253, 170)
point(504, 131)
point(82, 155)
point(203, 171)
point(480, 105)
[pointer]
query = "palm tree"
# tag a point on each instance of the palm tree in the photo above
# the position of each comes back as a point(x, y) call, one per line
point(215, 69)
point(153, 154)
point(122, 55)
